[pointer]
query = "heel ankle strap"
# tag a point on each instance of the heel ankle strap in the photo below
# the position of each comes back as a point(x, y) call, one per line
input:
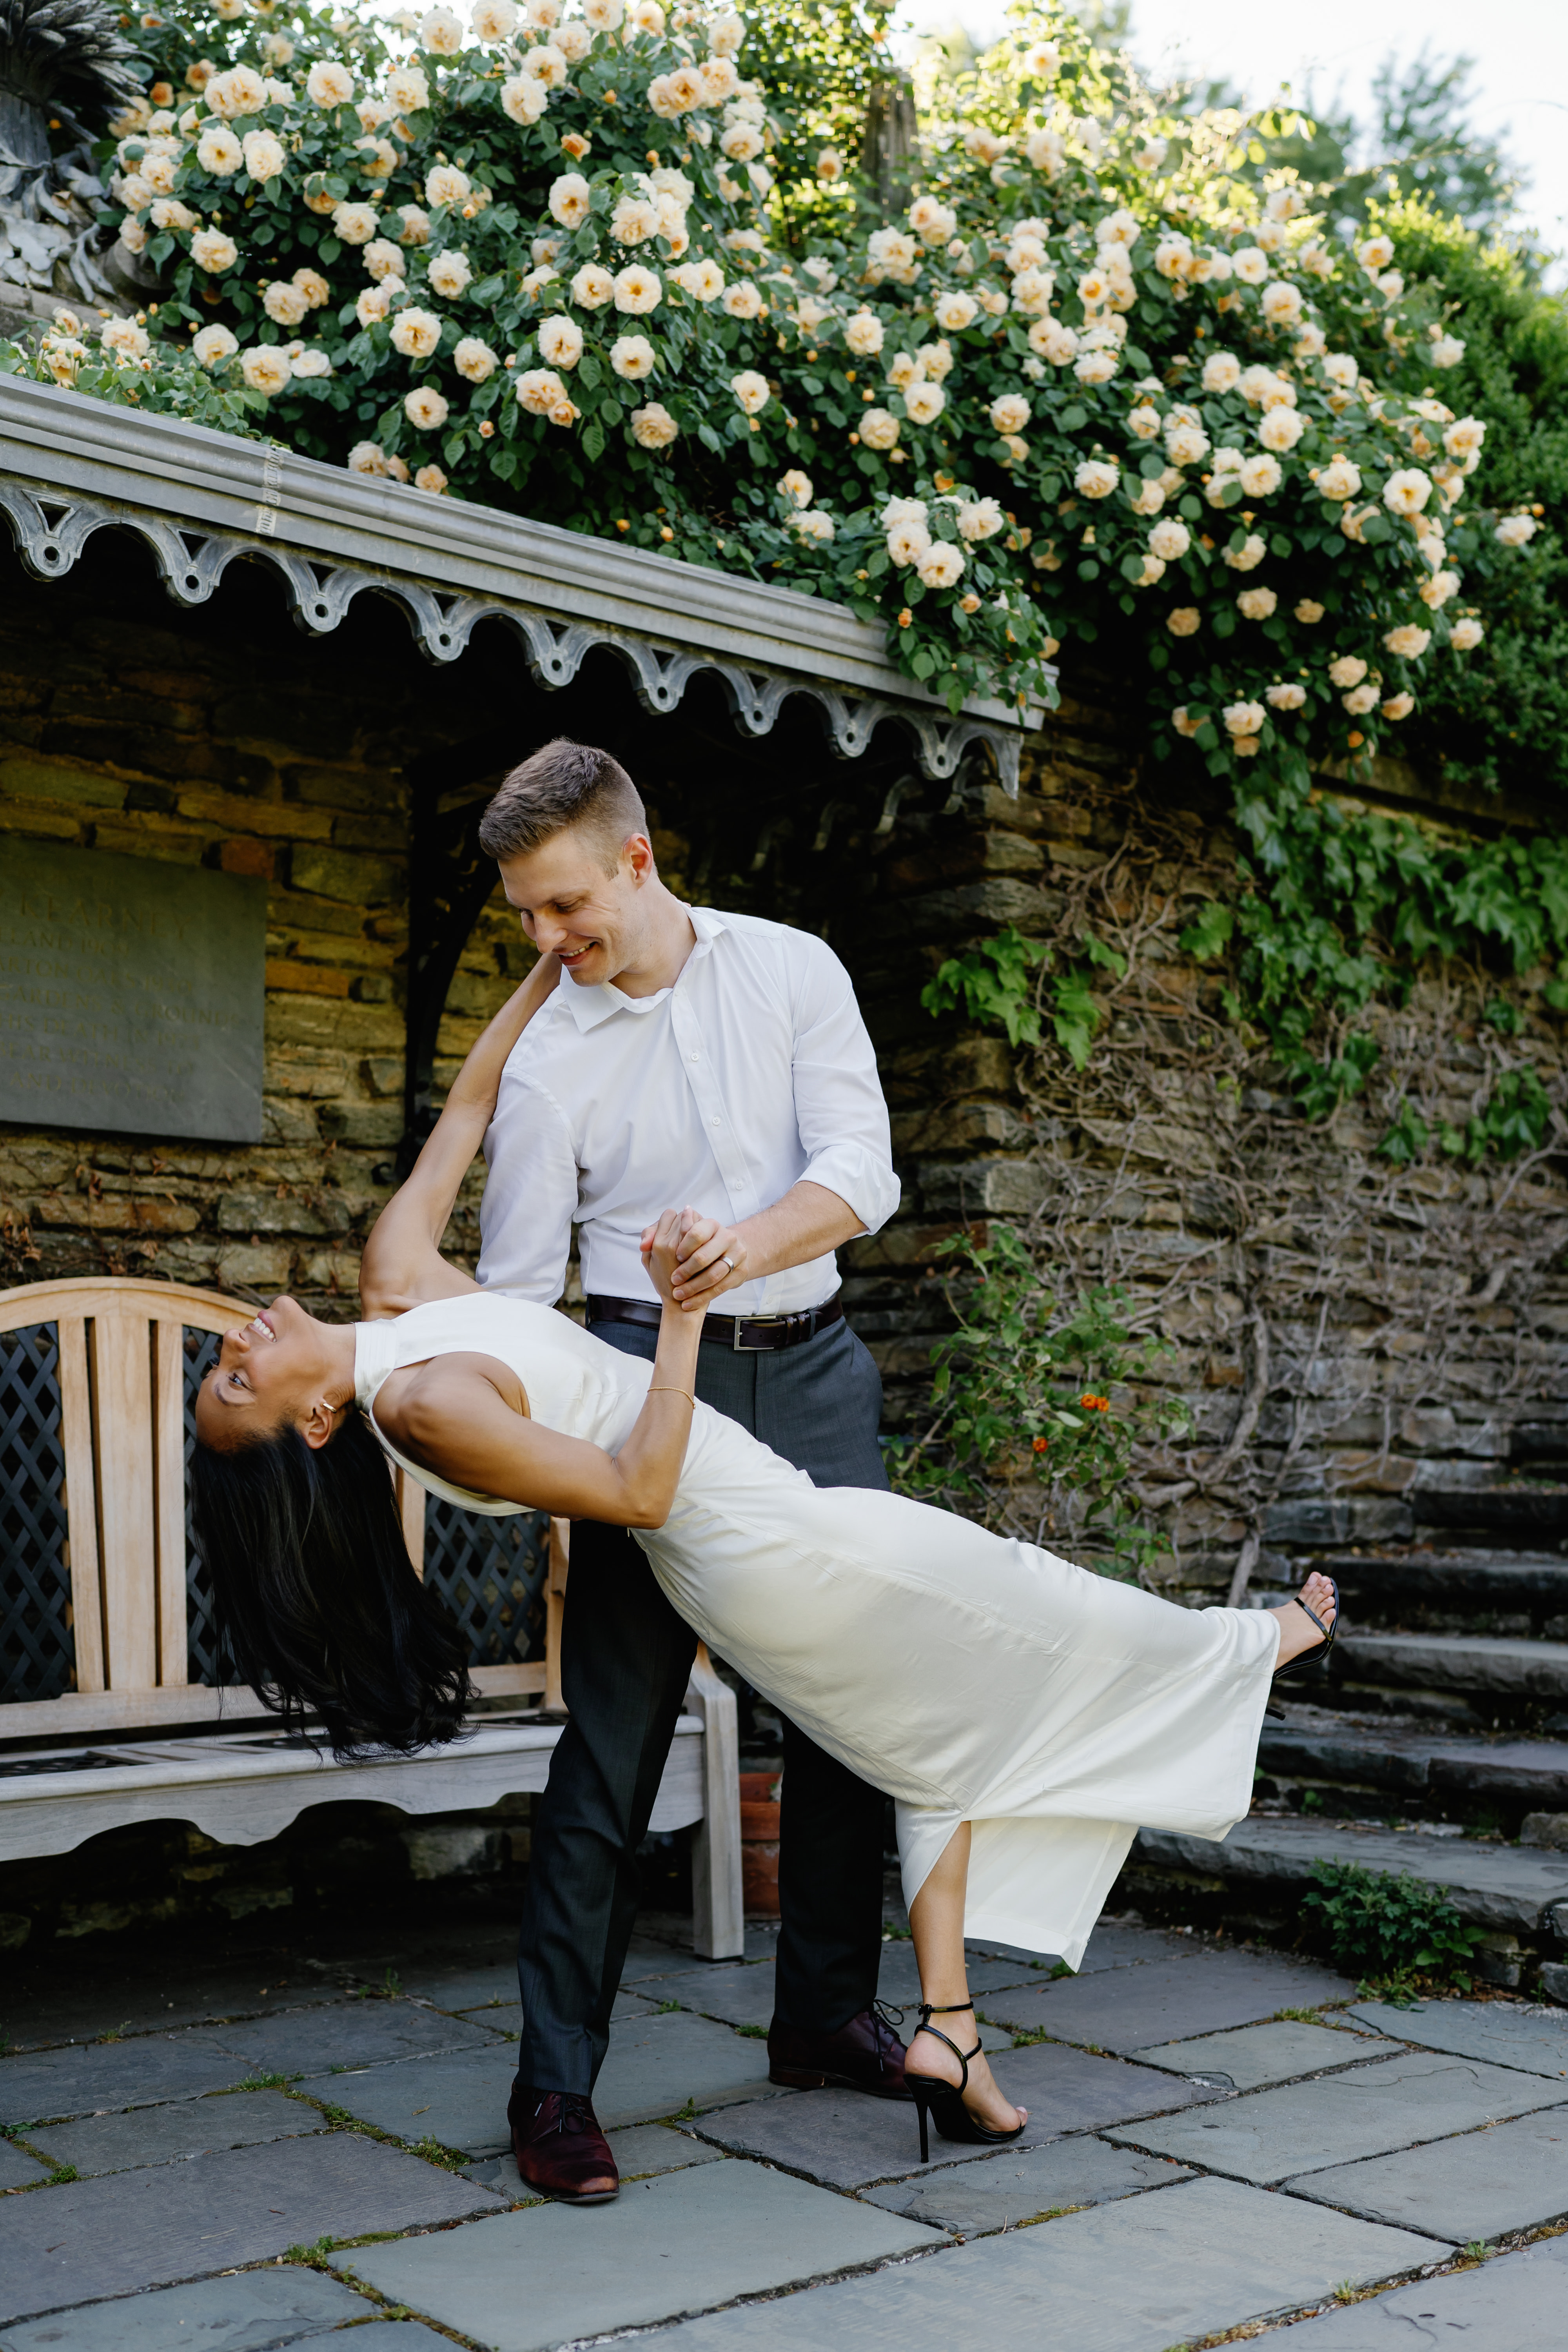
point(945, 2009)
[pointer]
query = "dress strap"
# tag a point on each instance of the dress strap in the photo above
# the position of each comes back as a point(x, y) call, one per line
point(376, 1355)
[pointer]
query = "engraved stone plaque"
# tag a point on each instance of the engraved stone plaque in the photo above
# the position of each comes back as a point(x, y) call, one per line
point(130, 994)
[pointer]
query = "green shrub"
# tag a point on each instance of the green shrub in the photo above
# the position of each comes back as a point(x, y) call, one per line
point(1389, 1931)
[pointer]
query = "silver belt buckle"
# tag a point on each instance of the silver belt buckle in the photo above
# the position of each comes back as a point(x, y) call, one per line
point(737, 1347)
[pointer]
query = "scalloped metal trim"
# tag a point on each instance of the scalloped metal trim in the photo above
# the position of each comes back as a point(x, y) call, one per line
point(51, 528)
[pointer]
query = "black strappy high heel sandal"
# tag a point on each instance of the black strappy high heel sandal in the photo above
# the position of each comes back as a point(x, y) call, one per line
point(1311, 1658)
point(944, 2101)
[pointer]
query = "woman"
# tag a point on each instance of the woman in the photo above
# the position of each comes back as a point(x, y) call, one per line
point(1025, 1714)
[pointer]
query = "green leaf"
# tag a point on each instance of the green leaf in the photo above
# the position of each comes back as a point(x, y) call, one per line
point(1072, 418)
point(1209, 933)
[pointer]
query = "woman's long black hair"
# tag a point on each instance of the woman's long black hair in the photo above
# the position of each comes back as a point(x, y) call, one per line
point(317, 1603)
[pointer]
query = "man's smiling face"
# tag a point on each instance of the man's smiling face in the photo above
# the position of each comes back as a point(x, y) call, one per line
point(595, 921)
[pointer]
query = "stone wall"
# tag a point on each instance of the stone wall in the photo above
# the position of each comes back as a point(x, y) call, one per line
point(1346, 1333)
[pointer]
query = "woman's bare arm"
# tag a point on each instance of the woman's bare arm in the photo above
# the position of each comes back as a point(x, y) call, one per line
point(403, 1264)
point(465, 1417)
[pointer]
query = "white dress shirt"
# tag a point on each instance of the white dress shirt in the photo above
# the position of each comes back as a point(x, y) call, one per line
point(752, 1071)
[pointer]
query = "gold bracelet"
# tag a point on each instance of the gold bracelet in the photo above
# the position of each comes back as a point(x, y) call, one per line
point(667, 1388)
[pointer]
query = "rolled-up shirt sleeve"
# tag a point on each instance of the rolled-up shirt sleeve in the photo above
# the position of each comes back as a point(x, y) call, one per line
point(530, 1194)
point(842, 1116)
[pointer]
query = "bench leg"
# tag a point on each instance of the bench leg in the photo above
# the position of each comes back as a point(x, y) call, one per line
point(718, 1913)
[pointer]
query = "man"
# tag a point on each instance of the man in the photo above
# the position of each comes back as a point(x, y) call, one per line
point(714, 1061)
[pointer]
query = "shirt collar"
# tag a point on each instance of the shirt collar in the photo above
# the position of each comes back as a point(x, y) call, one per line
point(590, 1006)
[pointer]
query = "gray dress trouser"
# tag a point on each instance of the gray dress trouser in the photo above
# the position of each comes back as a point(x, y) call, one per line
point(625, 1660)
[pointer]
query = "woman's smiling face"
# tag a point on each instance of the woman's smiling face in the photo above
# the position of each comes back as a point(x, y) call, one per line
point(270, 1371)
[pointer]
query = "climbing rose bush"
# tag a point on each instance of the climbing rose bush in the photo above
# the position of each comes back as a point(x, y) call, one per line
point(1095, 372)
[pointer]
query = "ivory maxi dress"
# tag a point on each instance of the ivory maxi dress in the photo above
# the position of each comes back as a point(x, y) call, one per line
point(973, 1677)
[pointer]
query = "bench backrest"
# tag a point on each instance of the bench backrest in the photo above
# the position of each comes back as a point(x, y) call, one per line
point(97, 1584)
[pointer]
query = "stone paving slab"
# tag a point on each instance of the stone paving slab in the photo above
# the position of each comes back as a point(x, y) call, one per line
point(381, 2336)
point(1271, 2136)
point(76, 2002)
point(94, 2238)
point(1006, 2191)
point(1492, 1885)
point(1252, 2056)
point(1534, 2038)
point(1514, 2303)
point(1166, 2001)
point(691, 2240)
point(17, 2169)
point(660, 2064)
point(846, 2139)
point(356, 2034)
point(249, 2313)
point(1140, 2275)
point(100, 2143)
point(1483, 2184)
point(463, 1989)
point(643, 2149)
point(651, 1956)
point(1114, 1945)
point(656, 2067)
point(102, 2077)
point(458, 2099)
point(507, 2019)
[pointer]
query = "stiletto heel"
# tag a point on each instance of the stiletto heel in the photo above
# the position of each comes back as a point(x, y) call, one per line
point(945, 2100)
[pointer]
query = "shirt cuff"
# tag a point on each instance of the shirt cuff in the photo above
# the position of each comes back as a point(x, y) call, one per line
point(860, 1177)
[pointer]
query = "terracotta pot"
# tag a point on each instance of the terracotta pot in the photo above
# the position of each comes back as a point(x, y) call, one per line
point(760, 1843)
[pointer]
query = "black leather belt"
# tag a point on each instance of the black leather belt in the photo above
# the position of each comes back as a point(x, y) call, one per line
point(744, 1335)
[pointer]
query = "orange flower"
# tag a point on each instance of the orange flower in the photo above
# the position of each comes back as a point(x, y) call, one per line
point(1041, 1444)
point(1095, 1403)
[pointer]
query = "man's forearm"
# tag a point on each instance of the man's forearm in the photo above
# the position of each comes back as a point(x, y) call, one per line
point(807, 1223)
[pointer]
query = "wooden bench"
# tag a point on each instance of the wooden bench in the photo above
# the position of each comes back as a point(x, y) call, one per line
point(110, 1710)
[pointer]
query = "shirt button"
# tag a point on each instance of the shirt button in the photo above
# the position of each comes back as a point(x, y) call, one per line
point(695, 1057)
point(715, 1122)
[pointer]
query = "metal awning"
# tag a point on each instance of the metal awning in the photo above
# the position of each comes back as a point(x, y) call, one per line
point(70, 465)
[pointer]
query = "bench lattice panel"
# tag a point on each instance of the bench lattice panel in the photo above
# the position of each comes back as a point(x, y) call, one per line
point(38, 1652)
point(201, 1629)
point(491, 1573)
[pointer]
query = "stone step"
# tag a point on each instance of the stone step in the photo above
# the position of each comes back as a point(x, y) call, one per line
point(1264, 1865)
point(1516, 1514)
point(1470, 1662)
point(1453, 1779)
point(1540, 1442)
point(1509, 1582)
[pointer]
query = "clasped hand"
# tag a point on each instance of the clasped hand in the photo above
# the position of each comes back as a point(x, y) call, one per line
point(691, 1258)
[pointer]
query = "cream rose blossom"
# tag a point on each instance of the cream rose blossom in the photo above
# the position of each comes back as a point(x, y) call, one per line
point(265, 369)
point(560, 342)
point(637, 289)
point(416, 333)
point(751, 391)
point(474, 360)
point(214, 345)
point(1097, 477)
point(653, 426)
point(213, 251)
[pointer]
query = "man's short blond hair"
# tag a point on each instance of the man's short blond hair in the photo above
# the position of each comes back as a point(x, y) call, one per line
point(562, 785)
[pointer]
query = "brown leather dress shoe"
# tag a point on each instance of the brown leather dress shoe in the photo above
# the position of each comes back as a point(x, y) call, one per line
point(864, 2055)
point(560, 2149)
